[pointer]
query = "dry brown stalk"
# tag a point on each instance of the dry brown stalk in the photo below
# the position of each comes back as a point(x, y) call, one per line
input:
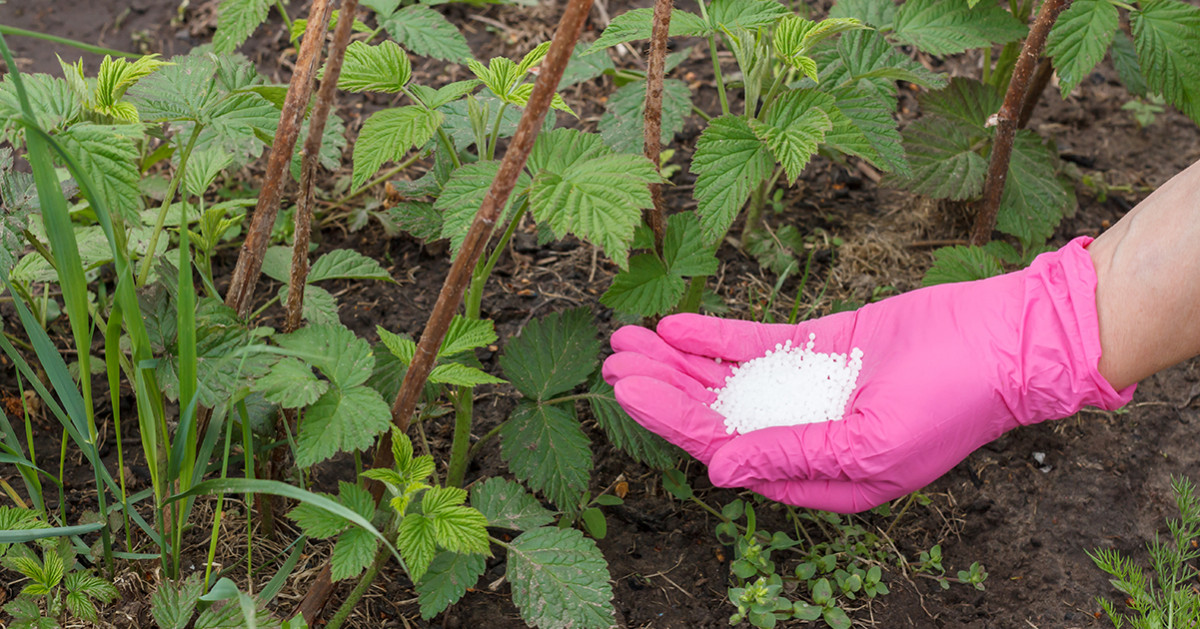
point(258, 235)
point(1006, 119)
point(473, 245)
point(652, 128)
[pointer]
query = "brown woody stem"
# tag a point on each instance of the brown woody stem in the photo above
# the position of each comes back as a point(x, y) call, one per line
point(1006, 119)
point(1037, 85)
point(326, 95)
point(652, 129)
point(258, 235)
point(473, 245)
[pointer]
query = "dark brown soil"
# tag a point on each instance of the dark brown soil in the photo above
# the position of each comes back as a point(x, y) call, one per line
point(1104, 480)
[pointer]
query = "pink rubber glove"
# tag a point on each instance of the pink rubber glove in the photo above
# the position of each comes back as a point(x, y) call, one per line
point(945, 370)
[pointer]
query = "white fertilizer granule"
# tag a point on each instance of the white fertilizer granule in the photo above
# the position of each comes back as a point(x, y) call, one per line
point(787, 387)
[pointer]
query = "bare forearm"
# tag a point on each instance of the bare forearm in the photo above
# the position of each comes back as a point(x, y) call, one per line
point(1148, 283)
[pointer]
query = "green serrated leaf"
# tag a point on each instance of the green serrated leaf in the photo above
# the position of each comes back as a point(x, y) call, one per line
point(731, 15)
point(317, 522)
point(347, 264)
point(636, 24)
point(533, 57)
point(556, 150)
point(464, 193)
point(341, 420)
point(865, 56)
point(447, 579)
point(1124, 58)
point(624, 114)
point(466, 334)
point(877, 13)
point(461, 375)
point(684, 249)
point(544, 446)
point(447, 93)
point(1168, 50)
point(383, 68)
point(236, 21)
point(290, 384)
point(961, 264)
point(388, 134)
point(944, 159)
point(456, 528)
point(964, 100)
point(336, 351)
point(81, 607)
point(647, 288)
point(203, 168)
point(107, 153)
point(507, 505)
point(52, 100)
point(417, 218)
point(173, 602)
point(863, 125)
point(402, 347)
point(428, 33)
point(1034, 199)
point(354, 551)
point(559, 579)
point(584, 67)
point(599, 200)
point(417, 543)
point(552, 355)
point(947, 27)
point(729, 162)
point(625, 433)
point(1079, 39)
point(792, 132)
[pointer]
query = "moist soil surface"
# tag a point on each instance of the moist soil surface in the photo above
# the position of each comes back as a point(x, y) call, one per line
point(1028, 506)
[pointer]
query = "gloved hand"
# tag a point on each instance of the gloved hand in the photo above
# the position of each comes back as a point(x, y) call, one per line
point(945, 370)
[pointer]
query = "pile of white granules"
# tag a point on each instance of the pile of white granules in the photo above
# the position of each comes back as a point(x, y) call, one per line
point(787, 387)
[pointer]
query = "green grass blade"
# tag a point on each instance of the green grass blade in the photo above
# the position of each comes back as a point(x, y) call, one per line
point(14, 537)
point(277, 488)
point(267, 594)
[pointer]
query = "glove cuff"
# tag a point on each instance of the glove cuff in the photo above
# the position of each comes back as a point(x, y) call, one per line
point(1061, 339)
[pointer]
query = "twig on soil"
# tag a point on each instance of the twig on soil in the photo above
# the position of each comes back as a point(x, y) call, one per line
point(652, 126)
point(258, 235)
point(1006, 119)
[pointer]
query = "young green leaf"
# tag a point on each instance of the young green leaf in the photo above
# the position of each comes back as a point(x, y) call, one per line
point(114, 78)
point(290, 384)
point(108, 154)
point(1164, 34)
point(343, 357)
point(729, 161)
point(1079, 38)
point(965, 101)
point(417, 543)
point(463, 194)
point(877, 13)
point(792, 134)
point(428, 33)
point(621, 124)
point(636, 24)
point(203, 168)
point(445, 94)
point(599, 200)
point(945, 164)
point(559, 579)
point(625, 433)
point(173, 602)
point(383, 68)
point(354, 551)
point(644, 289)
point(341, 420)
point(52, 100)
point(507, 505)
point(544, 446)
point(961, 264)
point(388, 134)
point(947, 27)
point(533, 58)
point(466, 334)
point(236, 21)
point(83, 586)
point(1034, 199)
point(347, 264)
point(456, 528)
point(731, 15)
point(863, 125)
point(316, 522)
point(684, 249)
point(461, 375)
point(402, 347)
point(447, 579)
point(865, 56)
point(418, 218)
point(552, 355)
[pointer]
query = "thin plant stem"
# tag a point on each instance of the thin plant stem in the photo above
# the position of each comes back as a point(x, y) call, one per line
point(388, 174)
point(220, 510)
point(800, 289)
point(464, 410)
point(1006, 120)
point(712, 52)
point(1037, 85)
point(488, 436)
point(161, 219)
point(258, 234)
point(491, 147)
point(287, 20)
point(360, 589)
point(652, 120)
point(907, 503)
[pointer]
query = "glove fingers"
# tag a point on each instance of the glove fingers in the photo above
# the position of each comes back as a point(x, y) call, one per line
point(627, 364)
point(829, 495)
point(672, 414)
point(819, 451)
point(702, 368)
point(739, 341)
